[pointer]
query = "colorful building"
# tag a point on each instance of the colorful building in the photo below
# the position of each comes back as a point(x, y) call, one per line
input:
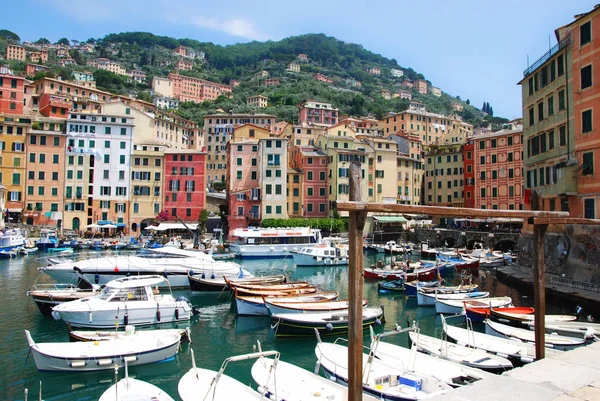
point(310, 173)
point(32, 69)
point(313, 112)
point(45, 181)
point(185, 184)
point(13, 163)
point(294, 67)
point(15, 52)
point(54, 105)
point(105, 64)
point(12, 91)
point(422, 86)
point(259, 101)
point(444, 175)
point(189, 89)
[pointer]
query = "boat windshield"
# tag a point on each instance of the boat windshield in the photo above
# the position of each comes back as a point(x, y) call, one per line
point(124, 294)
point(107, 293)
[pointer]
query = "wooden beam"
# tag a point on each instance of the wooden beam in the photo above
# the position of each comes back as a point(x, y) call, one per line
point(539, 281)
point(562, 220)
point(349, 206)
point(356, 224)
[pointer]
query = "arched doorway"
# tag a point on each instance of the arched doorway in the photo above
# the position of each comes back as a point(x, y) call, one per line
point(145, 223)
point(75, 223)
point(134, 227)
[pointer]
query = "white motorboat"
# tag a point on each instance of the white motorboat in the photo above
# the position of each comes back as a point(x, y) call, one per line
point(426, 299)
point(128, 389)
point(102, 355)
point(204, 384)
point(395, 381)
point(457, 306)
point(513, 349)
point(322, 255)
point(126, 301)
point(255, 305)
point(562, 343)
point(253, 242)
point(283, 381)
point(276, 307)
point(456, 353)
point(393, 248)
point(174, 264)
point(47, 239)
point(11, 239)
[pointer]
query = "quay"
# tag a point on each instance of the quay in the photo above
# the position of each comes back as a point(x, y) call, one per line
point(572, 376)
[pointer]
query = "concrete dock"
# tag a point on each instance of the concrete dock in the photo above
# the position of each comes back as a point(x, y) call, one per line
point(572, 376)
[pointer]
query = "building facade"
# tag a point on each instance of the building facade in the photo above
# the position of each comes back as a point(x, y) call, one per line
point(12, 91)
point(189, 89)
point(313, 112)
point(185, 184)
point(15, 52)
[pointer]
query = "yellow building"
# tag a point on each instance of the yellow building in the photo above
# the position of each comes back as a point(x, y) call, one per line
point(147, 183)
point(13, 132)
point(15, 52)
point(382, 162)
point(257, 101)
point(444, 173)
point(295, 67)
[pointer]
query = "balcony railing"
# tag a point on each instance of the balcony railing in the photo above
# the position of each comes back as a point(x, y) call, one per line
point(253, 216)
point(567, 40)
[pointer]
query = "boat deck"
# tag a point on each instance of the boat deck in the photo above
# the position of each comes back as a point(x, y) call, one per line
point(573, 375)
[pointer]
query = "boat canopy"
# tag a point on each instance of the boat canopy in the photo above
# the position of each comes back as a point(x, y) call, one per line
point(136, 281)
point(172, 226)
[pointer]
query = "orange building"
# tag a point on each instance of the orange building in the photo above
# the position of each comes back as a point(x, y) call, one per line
point(12, 91)
point(32, 69)
point(15, 52)
point(36, 57)
point(196, 90)
point(586, 112)
point(421, 86)
point(271, 82)
point(184, 65)
point(55, 105)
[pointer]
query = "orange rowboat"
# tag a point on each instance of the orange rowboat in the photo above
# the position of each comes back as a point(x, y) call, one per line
point(480, 314)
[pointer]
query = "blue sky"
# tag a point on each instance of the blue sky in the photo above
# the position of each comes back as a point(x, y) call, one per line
point(476, 49)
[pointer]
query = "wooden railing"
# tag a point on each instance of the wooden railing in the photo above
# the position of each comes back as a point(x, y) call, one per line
point(580, 285)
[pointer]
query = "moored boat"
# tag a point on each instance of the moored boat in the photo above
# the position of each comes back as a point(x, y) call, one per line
point(424, 299)
point(130, 333)
point(126, 301)
point(479, 314)
point(47, 296)
point(423, 273)
point(520, 316)
point(47, 239)
point(327, 323)
point(255, 305)
point(275, 307)
point(101, 355)
point(321, 255)
point(391, 287)
point(559, 342)
point(129, 389)
point(218, 284)
point(455, 307)
point(255, 242)
point(412, 286)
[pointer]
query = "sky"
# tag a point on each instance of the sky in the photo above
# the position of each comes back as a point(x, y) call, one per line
point(475, 49)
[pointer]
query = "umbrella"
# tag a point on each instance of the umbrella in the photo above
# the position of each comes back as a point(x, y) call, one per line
point(108, 226)
point(93, 226)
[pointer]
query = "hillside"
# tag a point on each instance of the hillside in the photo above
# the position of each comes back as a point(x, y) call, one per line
point(351, 88)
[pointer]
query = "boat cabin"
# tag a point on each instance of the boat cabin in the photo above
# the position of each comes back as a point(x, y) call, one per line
point(282, 236)
point(131, 289)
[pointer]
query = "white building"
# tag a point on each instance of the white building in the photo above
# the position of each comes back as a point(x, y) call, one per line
point(273, 157)
point(162, 86)
point(397, 73)
point(165, 103)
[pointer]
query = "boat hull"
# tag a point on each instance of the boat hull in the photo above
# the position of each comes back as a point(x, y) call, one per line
point(46, 300)
point(287, 325)
point(310, 260)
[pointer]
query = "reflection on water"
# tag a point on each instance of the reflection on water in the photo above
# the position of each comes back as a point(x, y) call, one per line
point(216, 333)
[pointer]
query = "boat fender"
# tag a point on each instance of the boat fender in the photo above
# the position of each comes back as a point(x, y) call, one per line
point(191, 272)
point(590, 333)
point(377, 322)
point(203, 276)
point(212, 276)
point(329, 326)
point(116, 269)
point(126, 318)
point(157, 313)
point(96, 278)
point(333, 378)
point(177, 313)
point(128, 274)
point(165, 274)
point(55, 315)
point(90, 316)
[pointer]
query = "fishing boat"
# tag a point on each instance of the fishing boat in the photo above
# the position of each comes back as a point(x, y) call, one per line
point(280, 380)
point(253, 305)
point(47, 239)
point(479, 314)
point(427, 252)
point(253, 242)
point(411, 287)
point(204, 384)
point(559, 342)
point(461, 265)
point(580, 329)
point(397, 273)
point(130, 332)
point(47, 296)
point(448, 289)
point(173, 263)
point(288, 288)
point(275, 307)
point(321, 255)
point(392, 247)
point(391, 287)
point(519, 317)
point(128, 389)
point(455, 307)
point(8, 253)
point(472, 357)
point(101, 355)
point(327, 323)
point(424, 299)
point(131, 300)
point(218, 284)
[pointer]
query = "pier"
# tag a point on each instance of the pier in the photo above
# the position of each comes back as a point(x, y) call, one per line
point(573, 376)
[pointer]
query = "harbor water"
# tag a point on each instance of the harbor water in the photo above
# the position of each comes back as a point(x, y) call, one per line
point(216, 332)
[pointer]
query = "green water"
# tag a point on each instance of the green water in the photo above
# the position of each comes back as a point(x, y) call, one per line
point(216, 333)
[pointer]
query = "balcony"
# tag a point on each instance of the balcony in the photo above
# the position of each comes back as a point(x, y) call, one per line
point(253, 216)
point(567, 40)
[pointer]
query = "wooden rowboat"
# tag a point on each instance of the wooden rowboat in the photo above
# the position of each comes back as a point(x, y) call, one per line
point(255, 305)
point(275, 307)
point(479, 314)
point(519, 317)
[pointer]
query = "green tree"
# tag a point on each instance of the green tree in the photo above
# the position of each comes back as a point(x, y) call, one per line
point(77, 56)
point(63, 41)
point(145, 97)
point(8, 35)
point(144, 59)
point(42, 41)
point(39, 75)
point(468, 101)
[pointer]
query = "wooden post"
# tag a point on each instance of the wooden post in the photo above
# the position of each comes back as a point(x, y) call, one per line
point(539, 280)
point(356, 224)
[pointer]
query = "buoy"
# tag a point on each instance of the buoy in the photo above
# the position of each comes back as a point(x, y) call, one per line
point(97, 278)
point(128, 274)
point(329, 326)
point(176, 313)
point(165, 274)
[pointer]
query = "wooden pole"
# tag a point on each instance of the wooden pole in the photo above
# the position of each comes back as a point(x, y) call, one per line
point(356, 223)
point(539, 281)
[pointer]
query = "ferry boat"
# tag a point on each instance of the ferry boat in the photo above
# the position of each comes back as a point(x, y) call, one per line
point(47, 239)
point(11, 239)
point(253, 242)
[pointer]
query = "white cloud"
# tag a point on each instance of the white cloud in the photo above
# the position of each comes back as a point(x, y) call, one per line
point(235, 26)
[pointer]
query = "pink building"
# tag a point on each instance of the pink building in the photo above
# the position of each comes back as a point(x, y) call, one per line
point(243, 173)
point(313, 164)
point(374, 71)
point(196, 90)
point(184, 184)
point(407, 83)
point(234, 82)
point(319, 113)
point(12, 91)
point(421, 86)
point(184, 65)
point(31, 69)
point(322, 78)
point(302, 57)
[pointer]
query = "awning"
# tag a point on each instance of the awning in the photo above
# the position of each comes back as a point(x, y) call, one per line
point(14, 210)
point(172, 226)
point(121, 225)
point(103, 222)
point(390, 219)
